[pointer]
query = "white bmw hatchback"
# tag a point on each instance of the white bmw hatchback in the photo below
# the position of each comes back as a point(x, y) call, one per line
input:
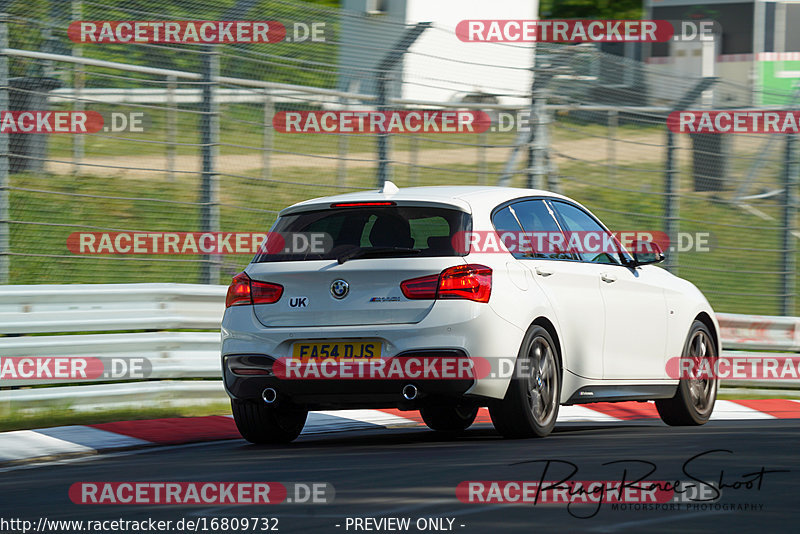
point(417, 276)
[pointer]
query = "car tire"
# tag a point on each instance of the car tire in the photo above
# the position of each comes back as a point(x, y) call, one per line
point(693, 403)
point(260, 423)
point(530, 407)
point(449, 417)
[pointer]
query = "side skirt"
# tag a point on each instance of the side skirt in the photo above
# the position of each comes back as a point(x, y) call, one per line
point(589, 394)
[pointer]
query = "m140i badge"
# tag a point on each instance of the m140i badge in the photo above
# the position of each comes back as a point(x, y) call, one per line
point(385, 299)
point(340, 289)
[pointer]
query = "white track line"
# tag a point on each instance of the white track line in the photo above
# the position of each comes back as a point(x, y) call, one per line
point(576, 413)
point(24, 444)
point(92, 437)
point(727, 410)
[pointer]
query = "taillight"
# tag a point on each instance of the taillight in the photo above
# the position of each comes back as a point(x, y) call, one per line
point(238, 291)
point(243, 290)
point(421, 288)
point(470, 282)
point(362, 204)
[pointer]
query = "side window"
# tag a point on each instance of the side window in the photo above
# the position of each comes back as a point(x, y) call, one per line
point(504, 221)
point(546, 238)
point(594, 244)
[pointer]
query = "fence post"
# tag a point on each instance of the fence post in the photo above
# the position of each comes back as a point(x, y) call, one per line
point(78, 141)
point(539, 144)
point(342, 144)
point(613, 122)
point(671, 206)
point(267, 137)
point(384, 172)
point(209, 188)
point(789, 224)
point(671, 199)
point(413, 160)
point(5, 214)
point(172, 126)
point(483, 166)
point(389, 61)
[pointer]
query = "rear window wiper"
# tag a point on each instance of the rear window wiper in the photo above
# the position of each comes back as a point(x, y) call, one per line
point(375, 252)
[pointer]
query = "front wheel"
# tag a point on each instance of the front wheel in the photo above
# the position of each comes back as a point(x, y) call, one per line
point(530, 407)
point(694, 401)
point(260, 423)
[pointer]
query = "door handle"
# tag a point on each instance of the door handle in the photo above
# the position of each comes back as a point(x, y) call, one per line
point(606, 277)
point(541, 271)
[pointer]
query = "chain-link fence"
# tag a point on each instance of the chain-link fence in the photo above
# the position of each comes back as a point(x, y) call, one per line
point(208, 158)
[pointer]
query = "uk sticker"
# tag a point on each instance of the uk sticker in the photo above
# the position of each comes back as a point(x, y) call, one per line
point(298, 302)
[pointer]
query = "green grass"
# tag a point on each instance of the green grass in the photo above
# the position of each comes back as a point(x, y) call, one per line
point(241, 132)
point(738, 275)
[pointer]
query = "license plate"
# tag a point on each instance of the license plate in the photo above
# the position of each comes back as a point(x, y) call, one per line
point(337, 350)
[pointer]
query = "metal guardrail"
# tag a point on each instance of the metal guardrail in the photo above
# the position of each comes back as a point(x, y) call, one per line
point(132, 394)
point(94, 310)
point(168, 354)
point(35, 309)
point(759, 332)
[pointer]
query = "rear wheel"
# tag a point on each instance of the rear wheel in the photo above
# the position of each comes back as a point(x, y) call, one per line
point(694, 400)
point(530, 406)
point(449, 417)
point(260, 423)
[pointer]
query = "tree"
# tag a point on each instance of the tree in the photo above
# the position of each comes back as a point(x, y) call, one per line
point(590, 9)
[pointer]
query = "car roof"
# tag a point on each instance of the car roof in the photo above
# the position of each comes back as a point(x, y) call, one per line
point(463, 197)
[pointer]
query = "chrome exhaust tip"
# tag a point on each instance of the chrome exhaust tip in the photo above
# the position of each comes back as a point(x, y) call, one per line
point(410, 392)
point(269, 395)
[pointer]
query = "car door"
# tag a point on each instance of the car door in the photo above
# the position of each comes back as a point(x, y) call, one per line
point(573, 293)
point(635, 306)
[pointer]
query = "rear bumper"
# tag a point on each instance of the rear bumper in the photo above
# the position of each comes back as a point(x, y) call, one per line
point(333, 394)
point(454, 327)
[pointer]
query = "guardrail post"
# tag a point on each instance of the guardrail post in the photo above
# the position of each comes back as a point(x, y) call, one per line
point(209, 189)
point(5, 214)
point(789, 224)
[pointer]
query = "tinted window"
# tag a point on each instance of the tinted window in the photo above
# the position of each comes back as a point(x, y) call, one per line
point(428, 231)
point(578, 221)
point(505, 221)
point(545, 234)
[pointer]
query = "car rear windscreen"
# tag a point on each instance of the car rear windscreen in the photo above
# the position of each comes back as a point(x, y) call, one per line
point(363, 231)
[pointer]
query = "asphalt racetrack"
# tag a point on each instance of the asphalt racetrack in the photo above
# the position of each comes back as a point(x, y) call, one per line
point(413, 473)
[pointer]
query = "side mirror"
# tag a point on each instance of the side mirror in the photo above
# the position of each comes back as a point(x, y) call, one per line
point(646, 253)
